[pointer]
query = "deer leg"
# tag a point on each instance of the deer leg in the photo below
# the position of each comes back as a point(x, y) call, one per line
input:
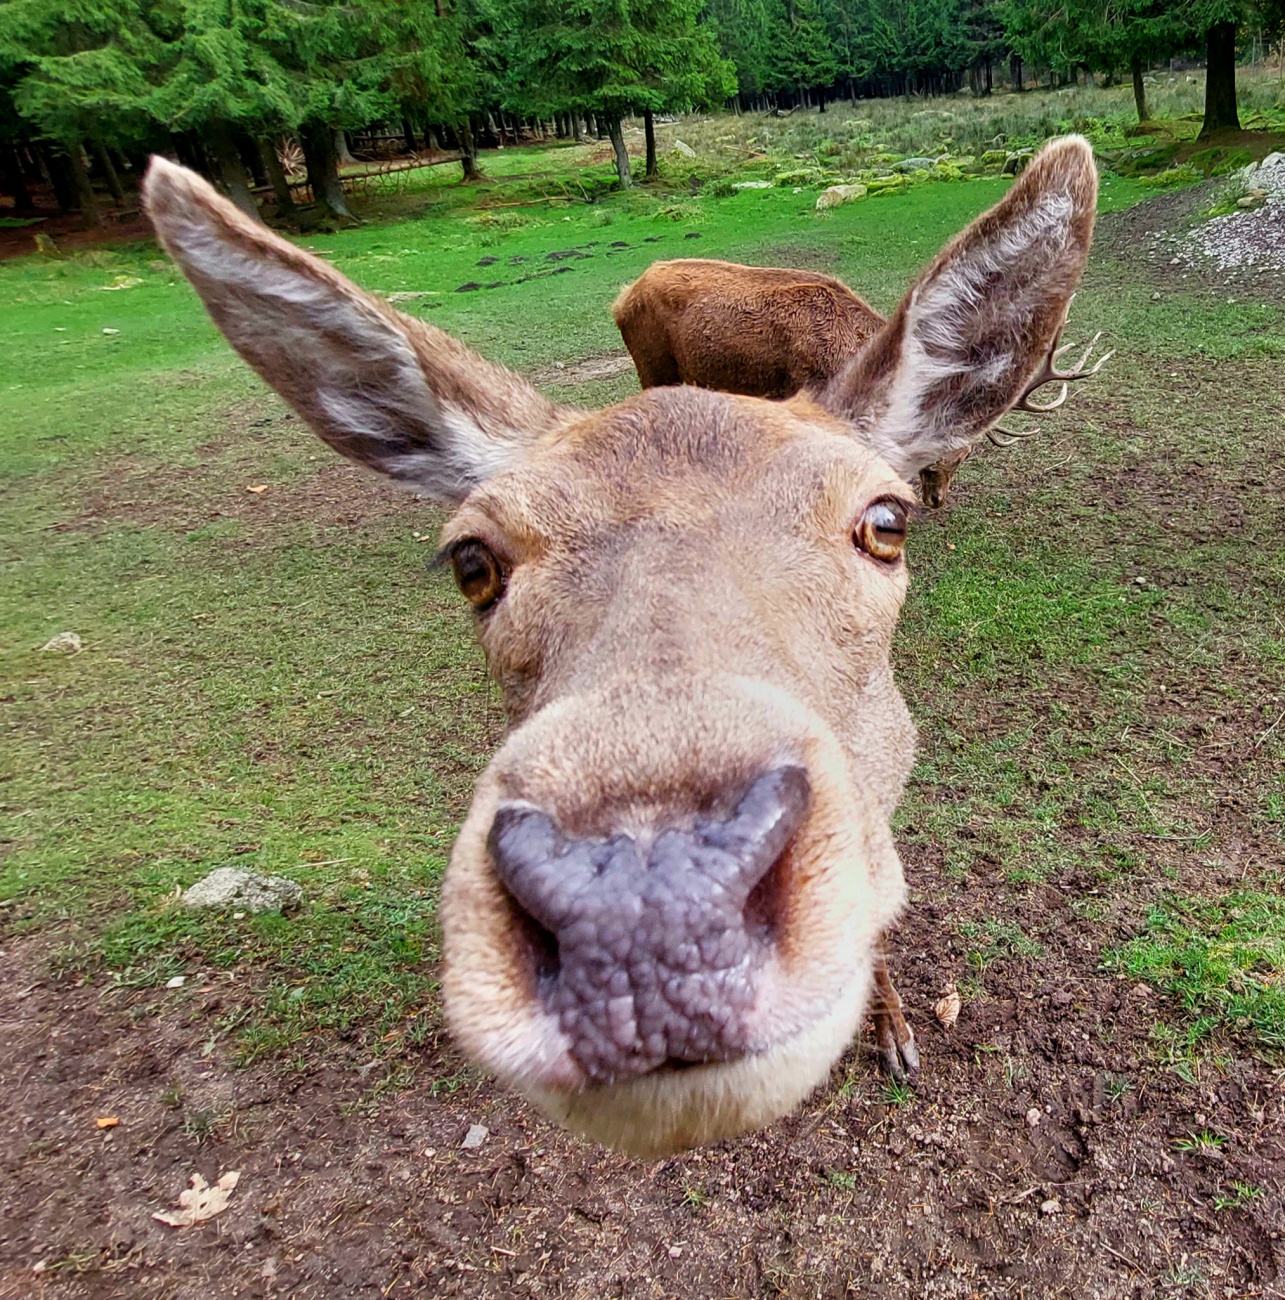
point(894, 1039)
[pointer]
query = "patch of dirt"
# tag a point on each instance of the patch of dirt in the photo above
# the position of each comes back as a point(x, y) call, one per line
point(343, 1193)
point(218, 487)
point(1167, 236)
point(581, 372)
point(801, 257)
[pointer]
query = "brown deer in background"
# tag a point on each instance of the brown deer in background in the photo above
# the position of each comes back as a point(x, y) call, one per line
point(772, 332)
point(663, 913)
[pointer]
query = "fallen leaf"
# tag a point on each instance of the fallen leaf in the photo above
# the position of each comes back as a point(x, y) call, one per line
point(474, 1138)
point(200, 1201)
point(262, 487)
point(177, 982)
point(947, 1010)
point(107, 1121)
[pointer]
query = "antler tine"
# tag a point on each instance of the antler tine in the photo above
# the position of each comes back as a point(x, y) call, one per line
point(1010, 436)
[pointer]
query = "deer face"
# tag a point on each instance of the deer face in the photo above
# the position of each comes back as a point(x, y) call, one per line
point(663, 909)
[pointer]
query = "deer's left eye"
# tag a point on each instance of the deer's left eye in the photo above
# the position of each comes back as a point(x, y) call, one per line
point(477, 574)
point(881, 530)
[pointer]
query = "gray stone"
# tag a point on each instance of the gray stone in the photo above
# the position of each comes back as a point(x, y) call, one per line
point(752, 185)
point(838, 194)
point(65, 643)
point(913, 165)
point(246, 890)
point(685, 149)
point(1015, 163)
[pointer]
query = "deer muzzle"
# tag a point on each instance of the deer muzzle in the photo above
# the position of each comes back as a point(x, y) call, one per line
point(650, 945)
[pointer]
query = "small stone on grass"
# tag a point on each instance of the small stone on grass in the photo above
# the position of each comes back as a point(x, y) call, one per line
point(248, 890)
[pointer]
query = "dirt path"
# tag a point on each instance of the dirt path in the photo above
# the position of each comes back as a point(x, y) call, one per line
point(1040, 1159)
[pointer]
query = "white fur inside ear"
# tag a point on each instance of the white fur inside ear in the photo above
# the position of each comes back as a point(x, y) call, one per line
point(941, 334)
point(346, 366)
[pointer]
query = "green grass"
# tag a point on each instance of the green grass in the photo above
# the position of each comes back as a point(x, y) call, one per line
point(278, 682)
point(1223, 960)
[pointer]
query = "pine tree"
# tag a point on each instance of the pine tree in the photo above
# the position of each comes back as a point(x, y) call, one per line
point(610, 57)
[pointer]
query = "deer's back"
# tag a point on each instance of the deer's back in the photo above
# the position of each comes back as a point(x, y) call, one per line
point(762, 331)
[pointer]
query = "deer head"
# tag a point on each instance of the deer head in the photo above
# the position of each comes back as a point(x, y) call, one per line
point(663, 909)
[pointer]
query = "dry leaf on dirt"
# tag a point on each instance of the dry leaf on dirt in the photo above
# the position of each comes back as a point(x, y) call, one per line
point(258, 488)
point(200, 1201)
point(107, 1121)
point(947, 1010)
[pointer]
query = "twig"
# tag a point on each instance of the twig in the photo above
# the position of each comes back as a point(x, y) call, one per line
point(1267, 733)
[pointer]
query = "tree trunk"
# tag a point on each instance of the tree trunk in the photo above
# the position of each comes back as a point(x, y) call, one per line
point(85, 200)
point(617, 137)
point(231, 169)
point(468, 150)
point(577, 127)
point(277, 178)
point(252, 159)
point(15, 181)
point(1220, 80)
point(408, 134)
point(1139, 88)
point(108, 168)
point(58, 167)
point(342, 153)
point(322, 160)
point(1015, 72)
point(820, 99)
point(649, 130)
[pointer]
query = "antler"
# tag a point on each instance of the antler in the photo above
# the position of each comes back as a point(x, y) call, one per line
point(1048, 373)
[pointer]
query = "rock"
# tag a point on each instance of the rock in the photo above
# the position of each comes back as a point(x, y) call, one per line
point(1051, 1206)
point(476, 1135)
point(752, 185)
point(46, 246)
point(248, 890)
point(65, 643)
point(1016, 162)
point(1033, 1117)
point(683, 148)
point(838, 194)
point(1254, 199)
point(914, 165)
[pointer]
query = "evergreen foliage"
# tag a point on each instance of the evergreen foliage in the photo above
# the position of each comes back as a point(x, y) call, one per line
point(89, 87)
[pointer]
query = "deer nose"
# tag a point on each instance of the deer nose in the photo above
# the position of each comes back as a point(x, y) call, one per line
point(651, 945)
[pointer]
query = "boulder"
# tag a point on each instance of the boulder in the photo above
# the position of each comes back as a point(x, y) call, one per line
point(246, 891)
point(682, 147)
point(913, 165)
point(752, 185)
point(838, 194)
point(1016, 162)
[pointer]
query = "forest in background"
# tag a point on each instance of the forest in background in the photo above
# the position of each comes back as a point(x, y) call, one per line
point(250, 91)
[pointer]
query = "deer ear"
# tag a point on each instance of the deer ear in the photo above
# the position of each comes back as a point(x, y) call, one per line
point(977, 324)
point(381, 388)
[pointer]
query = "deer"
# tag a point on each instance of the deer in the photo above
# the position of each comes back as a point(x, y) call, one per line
point(773, 332)
point(664, 913)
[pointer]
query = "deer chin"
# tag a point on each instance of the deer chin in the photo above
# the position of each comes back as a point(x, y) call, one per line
point(672, 1110)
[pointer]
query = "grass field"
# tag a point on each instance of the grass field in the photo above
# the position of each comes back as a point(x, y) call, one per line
point(1094, 647)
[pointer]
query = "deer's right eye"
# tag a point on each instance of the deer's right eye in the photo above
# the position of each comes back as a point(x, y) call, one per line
point(478, 574)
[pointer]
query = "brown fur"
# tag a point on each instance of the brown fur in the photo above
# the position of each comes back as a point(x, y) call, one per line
point(762, 331)
point(685, 608)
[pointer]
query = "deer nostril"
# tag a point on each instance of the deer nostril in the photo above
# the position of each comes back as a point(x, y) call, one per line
point(649, 954)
